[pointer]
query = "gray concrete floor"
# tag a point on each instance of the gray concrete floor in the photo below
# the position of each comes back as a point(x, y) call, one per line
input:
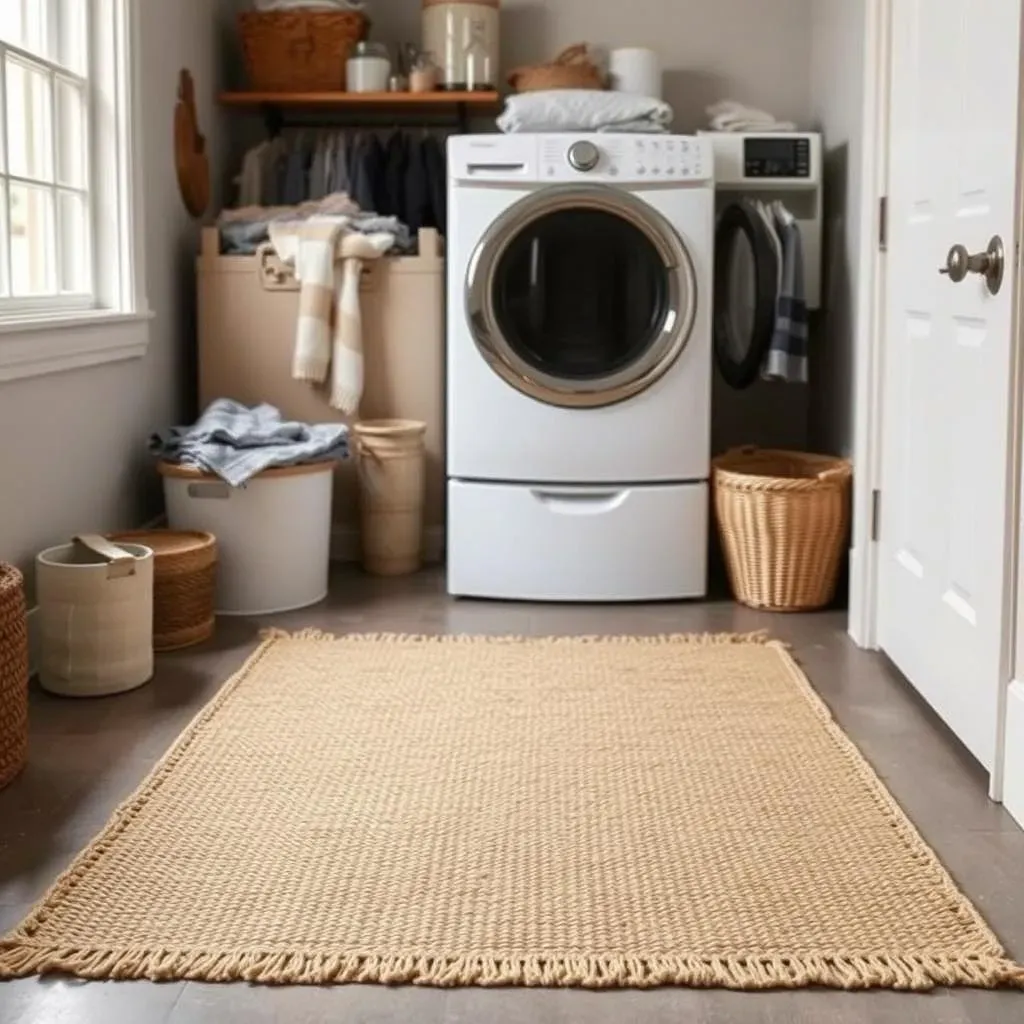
point(88, 756)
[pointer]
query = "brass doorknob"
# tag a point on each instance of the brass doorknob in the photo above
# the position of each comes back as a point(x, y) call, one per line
point(990, 264)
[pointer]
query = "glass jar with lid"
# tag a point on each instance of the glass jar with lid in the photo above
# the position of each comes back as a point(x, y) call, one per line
point(368, 69)
point(463, 34)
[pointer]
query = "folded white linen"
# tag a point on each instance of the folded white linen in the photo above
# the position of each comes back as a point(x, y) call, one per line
point(583, 110)
point(731, 116)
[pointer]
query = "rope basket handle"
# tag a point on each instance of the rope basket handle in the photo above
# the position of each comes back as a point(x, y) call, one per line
point(575, 54)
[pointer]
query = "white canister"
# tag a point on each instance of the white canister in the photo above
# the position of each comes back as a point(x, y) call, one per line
point(635, 70)
point(95, 617)
point(368, 69)
point(463, 36)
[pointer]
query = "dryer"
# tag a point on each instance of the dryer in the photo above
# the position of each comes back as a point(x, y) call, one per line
point(579, 366)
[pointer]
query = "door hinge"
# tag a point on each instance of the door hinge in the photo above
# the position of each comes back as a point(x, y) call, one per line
point(883, 223)
point(876, 515)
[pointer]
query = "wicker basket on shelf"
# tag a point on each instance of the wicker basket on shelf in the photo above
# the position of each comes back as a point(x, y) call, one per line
point(784, 518)
point(184, 580)
point(571, 69)
point(299, 50)
point(13, 674)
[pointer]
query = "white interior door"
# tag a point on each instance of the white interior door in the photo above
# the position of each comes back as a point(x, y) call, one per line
point(948, 357)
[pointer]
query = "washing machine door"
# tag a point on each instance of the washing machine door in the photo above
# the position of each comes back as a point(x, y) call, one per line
point(581, 296)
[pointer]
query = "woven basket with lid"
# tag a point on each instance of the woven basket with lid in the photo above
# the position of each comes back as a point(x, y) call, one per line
point(784, 518)
point(184, 580)
point(13, 674)
point(299, 50)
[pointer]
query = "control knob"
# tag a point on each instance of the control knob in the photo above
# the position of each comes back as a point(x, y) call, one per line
point(583, 156)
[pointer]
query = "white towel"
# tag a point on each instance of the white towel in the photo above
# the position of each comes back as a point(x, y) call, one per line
point(583, 110)
point(730, 116)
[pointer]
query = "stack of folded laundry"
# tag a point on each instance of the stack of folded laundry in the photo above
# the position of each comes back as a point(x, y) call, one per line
point(584, 110)
point(730, 116)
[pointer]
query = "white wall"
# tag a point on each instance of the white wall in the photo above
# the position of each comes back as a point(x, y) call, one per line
point(837, 62)
point(73, 445)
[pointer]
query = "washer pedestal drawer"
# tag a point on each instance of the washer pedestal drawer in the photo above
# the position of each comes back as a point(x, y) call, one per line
point(553, 543)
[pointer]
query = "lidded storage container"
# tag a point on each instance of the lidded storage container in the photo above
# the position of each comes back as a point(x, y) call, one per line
point(463, 37)
point(95, 617)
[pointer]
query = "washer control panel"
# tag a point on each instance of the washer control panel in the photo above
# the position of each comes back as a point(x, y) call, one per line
point(654, 159)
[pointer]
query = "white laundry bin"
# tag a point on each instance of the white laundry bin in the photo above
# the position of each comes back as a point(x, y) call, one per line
point(273, 533)
point(95, 617)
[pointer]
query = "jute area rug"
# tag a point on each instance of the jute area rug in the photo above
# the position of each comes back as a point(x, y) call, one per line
point(598, 813)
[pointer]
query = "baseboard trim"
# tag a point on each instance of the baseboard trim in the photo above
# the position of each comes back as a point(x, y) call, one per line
point(345, 545)
point(1013, 763)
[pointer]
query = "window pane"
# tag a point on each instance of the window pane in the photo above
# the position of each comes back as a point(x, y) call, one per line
point(4, 276)
point(24, 23)
point(29, 121)
point(71, 34)
point(32, 256)
point(71, 150)
point(74, 243)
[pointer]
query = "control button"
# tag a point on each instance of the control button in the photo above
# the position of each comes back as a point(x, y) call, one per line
point(641, 169)
point(583, 156)
point(613, 171)
point(551, 172)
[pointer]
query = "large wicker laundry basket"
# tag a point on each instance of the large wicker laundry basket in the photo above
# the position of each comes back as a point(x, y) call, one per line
point(13, 674)
point(784, 518)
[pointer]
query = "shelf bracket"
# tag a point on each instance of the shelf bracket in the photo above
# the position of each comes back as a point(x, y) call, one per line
point(273, 119)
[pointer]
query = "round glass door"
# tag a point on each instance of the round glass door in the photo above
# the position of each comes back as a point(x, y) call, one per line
point(581, 297)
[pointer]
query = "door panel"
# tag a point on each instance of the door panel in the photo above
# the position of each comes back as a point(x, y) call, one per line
point(948, 358)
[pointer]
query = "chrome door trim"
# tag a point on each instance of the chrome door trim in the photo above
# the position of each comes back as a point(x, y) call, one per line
point(630, 380)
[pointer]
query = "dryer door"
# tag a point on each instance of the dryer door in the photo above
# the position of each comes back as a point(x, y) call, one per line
point(747, 283)
point(581, 296)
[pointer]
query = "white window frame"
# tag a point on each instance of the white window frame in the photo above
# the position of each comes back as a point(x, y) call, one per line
point(39, 336)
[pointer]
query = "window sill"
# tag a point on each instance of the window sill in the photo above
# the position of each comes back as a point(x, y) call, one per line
point(41, 345)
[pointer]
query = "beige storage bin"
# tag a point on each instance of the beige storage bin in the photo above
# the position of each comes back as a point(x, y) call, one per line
point(391, 479)
point(247, 311)
point(95, 617)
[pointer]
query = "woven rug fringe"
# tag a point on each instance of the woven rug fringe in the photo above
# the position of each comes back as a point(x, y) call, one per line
point(751, 973)
point(692, 639)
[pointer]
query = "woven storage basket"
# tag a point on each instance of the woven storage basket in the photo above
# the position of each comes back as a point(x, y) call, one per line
point(184, 582)
point(784, 518)
point(571, 69)
point(13, 674)
point(297, 50)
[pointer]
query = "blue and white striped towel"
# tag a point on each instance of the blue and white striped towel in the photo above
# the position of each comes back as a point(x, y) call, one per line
point(787, 354)
point(236, 442)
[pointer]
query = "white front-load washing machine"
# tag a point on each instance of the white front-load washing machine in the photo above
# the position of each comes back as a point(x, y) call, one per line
point(579, 366)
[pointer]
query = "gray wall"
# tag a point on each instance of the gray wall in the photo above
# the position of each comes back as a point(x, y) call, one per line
point(837, 59)
point(73, 456)
point(752, 50)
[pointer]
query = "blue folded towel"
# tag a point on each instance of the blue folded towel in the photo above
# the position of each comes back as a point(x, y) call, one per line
point(236, 442)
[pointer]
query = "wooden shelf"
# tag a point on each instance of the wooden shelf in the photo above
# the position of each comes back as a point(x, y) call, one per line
point(365, 100)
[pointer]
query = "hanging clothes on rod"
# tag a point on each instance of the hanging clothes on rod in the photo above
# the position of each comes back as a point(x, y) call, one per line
point(395, 173)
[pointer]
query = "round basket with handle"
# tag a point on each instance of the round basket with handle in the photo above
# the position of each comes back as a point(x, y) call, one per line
point(571, 69)
point(784, 519)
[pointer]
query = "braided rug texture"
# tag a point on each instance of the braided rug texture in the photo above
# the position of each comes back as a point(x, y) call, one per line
point(473, 811)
